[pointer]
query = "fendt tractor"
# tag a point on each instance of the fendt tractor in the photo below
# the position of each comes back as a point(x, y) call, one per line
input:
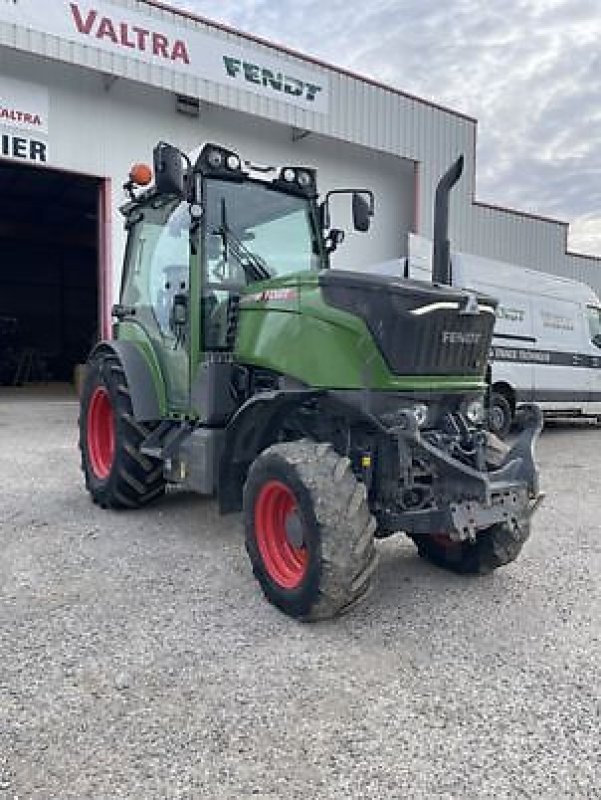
point(331, 407)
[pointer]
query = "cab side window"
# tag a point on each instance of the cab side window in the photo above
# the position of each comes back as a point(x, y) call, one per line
point(158, 263)
point(169, 267)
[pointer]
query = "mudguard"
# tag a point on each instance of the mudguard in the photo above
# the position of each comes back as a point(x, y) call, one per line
point(251, 429)
point(139, 375)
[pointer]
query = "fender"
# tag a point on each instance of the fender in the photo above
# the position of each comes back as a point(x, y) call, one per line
point(253, 428)
point(139, 375)
point(256, 425)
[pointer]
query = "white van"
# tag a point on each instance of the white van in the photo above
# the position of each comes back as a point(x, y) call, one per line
point(547, 339)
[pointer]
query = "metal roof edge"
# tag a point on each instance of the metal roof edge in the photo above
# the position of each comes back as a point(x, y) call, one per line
point(303, 57)
point(518, 213)
point(588, 256)
point(565, 226)
point(540, 218)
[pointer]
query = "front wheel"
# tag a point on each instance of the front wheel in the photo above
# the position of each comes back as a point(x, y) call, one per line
point(309, 531)
point(494, 547)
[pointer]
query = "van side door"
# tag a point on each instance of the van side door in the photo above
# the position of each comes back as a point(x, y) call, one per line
point(560, 373)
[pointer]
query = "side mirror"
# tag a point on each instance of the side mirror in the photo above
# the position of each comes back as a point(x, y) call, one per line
point(362, 212)
point(596, 340)
point(168, 169)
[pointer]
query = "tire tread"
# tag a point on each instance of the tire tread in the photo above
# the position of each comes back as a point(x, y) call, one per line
point(135, 479)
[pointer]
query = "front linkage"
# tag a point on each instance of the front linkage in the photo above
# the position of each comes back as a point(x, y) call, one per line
point(465, 497)
point(453, 481)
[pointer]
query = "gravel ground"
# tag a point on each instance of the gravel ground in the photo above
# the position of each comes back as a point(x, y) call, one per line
point(138, 658)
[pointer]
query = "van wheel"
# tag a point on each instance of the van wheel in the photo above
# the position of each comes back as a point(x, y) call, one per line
point(500, 415)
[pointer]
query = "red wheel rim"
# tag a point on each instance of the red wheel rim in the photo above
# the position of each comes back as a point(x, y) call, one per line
point(285, 563)
point(444, 540)
point(101, 433)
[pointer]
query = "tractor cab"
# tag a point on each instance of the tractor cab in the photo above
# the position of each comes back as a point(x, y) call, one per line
point(201, 236)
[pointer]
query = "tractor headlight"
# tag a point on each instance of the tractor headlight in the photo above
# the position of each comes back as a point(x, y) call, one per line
point(474, 411)
point(289, 175)
point(215, 159)
point(304, 179)
point(420, 412)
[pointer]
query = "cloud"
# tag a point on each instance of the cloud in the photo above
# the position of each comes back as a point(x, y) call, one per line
point(529, 72)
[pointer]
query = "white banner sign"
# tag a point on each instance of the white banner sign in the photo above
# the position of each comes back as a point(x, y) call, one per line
point(23, 120)
point(107, 27)
point(23, 105)
point(20, 147)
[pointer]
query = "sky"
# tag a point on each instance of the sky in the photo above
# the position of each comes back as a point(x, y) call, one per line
point(528, 70)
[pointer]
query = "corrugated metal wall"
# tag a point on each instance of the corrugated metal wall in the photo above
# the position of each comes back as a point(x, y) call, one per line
point(360, 113)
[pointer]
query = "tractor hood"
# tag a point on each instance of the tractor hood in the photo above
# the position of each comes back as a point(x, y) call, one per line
point(420, 329)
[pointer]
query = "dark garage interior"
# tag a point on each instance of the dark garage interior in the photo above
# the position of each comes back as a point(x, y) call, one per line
point(48, 273)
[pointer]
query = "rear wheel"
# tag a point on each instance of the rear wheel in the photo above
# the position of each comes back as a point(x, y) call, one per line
point(494, 547)
point(309, 531)
point(117, 474)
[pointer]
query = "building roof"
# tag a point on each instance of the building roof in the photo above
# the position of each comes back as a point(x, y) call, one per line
point(220, 26)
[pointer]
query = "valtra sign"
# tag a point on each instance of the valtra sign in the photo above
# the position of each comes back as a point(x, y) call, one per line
point(194, 51)
point(23, 105)
point(91, 23)
point(14, 116)
point(23, 121)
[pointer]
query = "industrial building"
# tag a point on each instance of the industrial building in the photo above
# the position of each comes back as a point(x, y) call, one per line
point(88, 88)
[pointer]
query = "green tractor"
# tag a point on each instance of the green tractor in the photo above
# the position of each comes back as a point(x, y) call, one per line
point(331, 407)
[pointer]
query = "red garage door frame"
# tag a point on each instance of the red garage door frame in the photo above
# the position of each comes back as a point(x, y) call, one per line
point(105, 258)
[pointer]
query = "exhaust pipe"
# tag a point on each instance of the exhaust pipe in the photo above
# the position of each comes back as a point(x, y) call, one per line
point(441, 256)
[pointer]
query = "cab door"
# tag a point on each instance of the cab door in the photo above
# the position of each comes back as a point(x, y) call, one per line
point(156, 286)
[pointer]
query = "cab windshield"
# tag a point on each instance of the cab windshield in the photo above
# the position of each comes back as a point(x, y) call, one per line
point(253, 232)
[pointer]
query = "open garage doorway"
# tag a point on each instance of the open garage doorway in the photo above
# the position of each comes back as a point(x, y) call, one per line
point(50, 276)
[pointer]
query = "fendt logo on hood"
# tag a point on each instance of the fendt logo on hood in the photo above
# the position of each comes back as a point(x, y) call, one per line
point(278, 81)
point(460, 337)
point(89, 22)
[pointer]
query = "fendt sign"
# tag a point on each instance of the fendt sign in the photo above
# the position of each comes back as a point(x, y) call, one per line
point(263, 76)
point(146, 37)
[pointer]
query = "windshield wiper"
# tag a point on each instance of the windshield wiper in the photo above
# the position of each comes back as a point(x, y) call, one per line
point(252, 265)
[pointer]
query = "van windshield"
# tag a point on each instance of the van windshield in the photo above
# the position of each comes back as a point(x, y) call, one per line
point(594, 324)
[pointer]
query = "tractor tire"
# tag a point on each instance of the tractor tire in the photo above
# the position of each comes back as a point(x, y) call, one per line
point(494, 547)
point(117, 474)
point(309, 530)
point(500, 415)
